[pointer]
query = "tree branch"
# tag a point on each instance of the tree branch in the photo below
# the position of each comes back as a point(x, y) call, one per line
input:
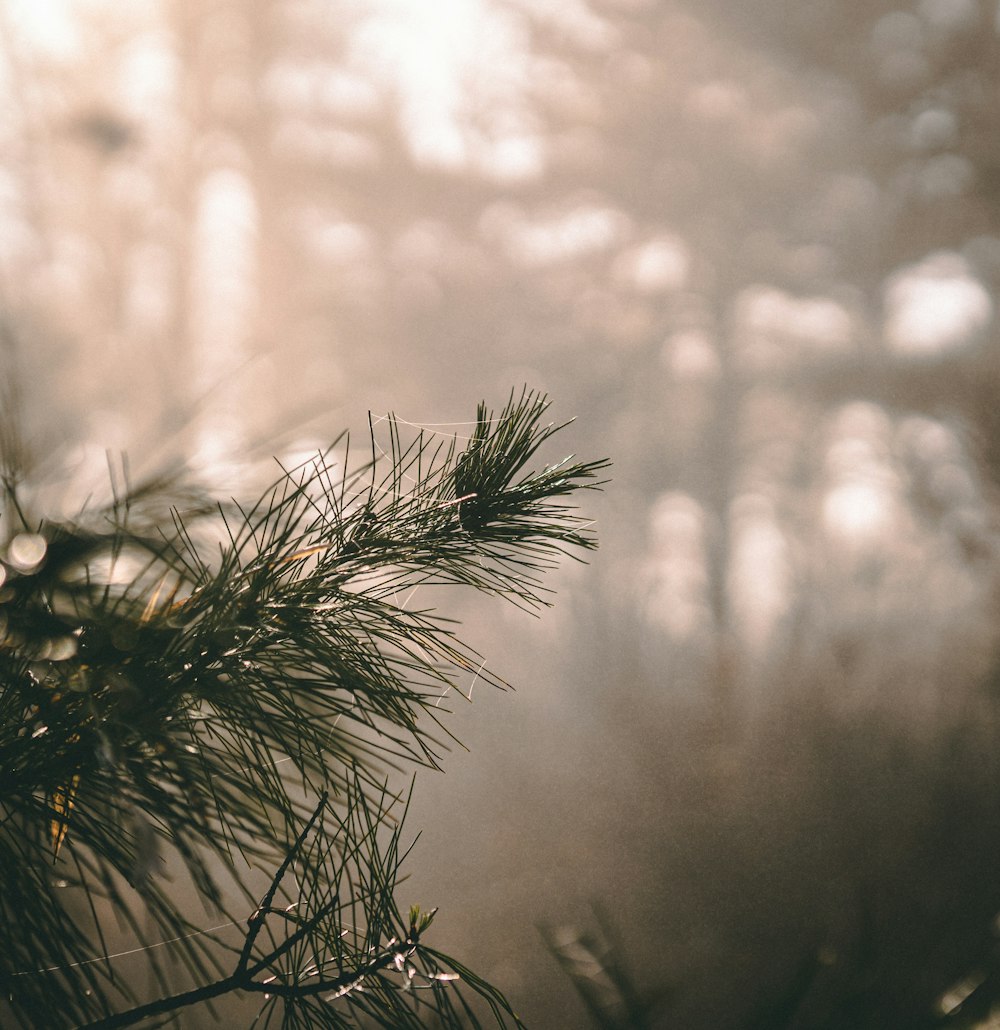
point(242, 977)
point(256, 920)
point(243, 981)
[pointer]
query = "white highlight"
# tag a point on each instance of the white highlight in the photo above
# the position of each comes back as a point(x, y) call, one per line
point(460, 71)
point(935, 306)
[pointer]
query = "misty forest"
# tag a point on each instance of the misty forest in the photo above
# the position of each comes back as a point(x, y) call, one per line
point(721, 277)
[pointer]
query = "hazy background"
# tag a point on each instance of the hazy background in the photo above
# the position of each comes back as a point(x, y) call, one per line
point(754, 246)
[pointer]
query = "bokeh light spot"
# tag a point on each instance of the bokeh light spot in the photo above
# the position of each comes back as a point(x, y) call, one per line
point(935, 306)
point(26, 551)
point(658, 266)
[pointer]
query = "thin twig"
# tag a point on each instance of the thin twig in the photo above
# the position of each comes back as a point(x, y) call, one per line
point(242, 978)
point(256, 921)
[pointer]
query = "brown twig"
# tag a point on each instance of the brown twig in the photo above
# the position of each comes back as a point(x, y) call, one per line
point(243, 976)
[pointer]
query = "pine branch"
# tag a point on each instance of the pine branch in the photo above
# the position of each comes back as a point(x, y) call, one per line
point(395, 954)
point(170, 666)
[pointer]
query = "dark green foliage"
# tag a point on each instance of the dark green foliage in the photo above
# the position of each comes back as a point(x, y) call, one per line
point(182, 677)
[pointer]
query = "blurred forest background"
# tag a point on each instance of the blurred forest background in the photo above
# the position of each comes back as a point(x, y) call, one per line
point(754, 245)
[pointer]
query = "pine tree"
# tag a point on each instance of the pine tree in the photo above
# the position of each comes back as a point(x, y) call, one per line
point(230, 686)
